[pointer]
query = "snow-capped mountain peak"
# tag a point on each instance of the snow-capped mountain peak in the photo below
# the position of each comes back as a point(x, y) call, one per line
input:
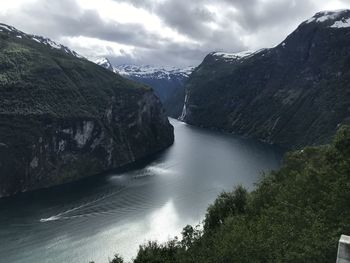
point(334, 19)
point(103, 62)
point(39, 39)
point(166, 81)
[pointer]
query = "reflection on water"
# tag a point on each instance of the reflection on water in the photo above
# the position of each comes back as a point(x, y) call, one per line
point(96, 217)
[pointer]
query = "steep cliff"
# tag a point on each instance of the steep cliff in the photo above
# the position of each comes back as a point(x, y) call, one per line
point(63, 117)
point(294, 94)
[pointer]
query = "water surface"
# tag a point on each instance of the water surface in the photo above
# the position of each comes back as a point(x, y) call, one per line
point(94, 218)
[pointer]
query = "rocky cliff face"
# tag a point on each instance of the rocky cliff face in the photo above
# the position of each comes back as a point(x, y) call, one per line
point(294, 94)
point(63, 118)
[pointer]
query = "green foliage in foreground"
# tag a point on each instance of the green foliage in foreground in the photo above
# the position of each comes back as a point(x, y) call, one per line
point(296, 214)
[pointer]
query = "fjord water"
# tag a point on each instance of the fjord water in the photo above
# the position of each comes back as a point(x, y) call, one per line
point(95, 218)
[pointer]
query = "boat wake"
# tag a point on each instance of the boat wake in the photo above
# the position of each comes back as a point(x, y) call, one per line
point(52, 218)
point(89, 208)
point(63, 215)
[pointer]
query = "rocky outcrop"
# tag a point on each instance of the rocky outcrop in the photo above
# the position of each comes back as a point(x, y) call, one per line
point(63, 118)
point(294, 94)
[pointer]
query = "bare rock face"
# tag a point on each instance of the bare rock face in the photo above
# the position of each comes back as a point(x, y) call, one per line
point(63, 118)
point(294, 94)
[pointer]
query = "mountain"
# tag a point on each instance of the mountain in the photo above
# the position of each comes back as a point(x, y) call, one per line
point(294, 94)
point(164, 80)
point(167, 82)
point(63, 117)
point(11, 31)
point(103, 62)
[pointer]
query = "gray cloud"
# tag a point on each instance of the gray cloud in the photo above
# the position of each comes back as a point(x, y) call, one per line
point(240, 19)
point(239, 25)
point(273, 13)
point(190, 17)
point(66, 18)
point(187, 17)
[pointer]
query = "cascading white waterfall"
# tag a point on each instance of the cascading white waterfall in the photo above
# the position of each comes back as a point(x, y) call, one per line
point(184, 109)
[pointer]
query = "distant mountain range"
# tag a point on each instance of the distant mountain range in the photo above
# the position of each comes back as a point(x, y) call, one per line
point(294, 94)
point(167, 82)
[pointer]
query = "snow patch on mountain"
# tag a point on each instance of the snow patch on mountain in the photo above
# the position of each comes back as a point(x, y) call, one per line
point(54, 45)
point(341, 24)
point(103, 62)
point(320, 17)
point(100, 61)
point(8, 28)
point(228, 57)
point(234, 55)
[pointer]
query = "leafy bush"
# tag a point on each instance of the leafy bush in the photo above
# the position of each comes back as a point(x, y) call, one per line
point(227, 204)
point(153, 252)
point(117, 259)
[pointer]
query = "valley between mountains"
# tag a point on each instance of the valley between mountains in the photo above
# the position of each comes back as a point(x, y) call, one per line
point(99, 157)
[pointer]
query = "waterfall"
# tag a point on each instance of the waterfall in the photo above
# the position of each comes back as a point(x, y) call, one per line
point(184, 109)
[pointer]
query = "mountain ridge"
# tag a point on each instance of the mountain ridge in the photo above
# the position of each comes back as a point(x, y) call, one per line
point(38, 39)
point(293, 94)
point(63, 117)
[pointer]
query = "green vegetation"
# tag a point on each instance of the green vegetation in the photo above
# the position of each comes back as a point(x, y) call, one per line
point(296, 214)
point(38, 80)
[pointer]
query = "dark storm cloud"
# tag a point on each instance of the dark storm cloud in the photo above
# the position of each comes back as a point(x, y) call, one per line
point(239, 20)
point(66, 18)
point(209, 25)
point(256, 15)
point(171, 54)
point(191, 17)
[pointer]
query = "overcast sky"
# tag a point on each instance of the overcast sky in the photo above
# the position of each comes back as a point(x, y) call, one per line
point(162, 32)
